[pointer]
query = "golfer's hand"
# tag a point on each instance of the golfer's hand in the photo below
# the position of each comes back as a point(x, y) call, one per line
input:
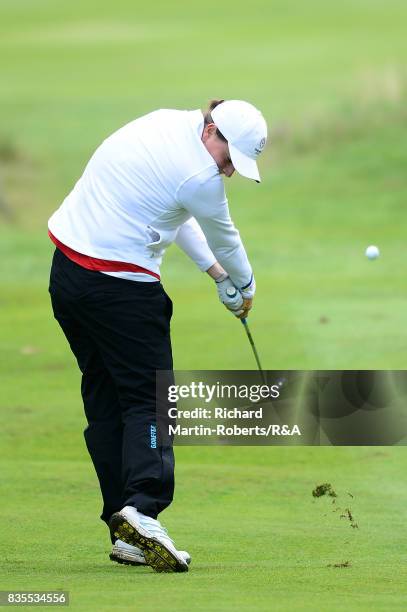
point(232, 298)
point(229, 295)
point(247, 294)
point(246, 307)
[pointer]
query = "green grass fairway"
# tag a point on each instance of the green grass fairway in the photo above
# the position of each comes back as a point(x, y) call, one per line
point(258, 538)
point(331, 80)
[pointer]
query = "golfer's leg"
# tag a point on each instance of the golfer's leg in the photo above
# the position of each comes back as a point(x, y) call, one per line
point(103, 434)
point(134, 339)
point(148, 470)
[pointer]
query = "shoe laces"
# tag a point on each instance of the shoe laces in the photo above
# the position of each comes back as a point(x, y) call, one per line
point(155, 528)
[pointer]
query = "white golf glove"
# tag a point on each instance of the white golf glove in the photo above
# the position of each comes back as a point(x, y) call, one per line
point(249, 290)
point(229, 295)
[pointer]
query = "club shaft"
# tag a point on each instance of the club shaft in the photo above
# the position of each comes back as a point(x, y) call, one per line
point(249, 335)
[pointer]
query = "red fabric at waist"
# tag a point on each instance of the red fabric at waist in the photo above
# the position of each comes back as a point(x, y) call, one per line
point(99, 265)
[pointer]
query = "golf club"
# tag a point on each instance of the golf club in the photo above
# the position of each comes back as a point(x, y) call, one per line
point(232, 291)
point(249, 335)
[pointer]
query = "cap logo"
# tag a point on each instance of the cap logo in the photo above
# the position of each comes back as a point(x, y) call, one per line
point(260, 146)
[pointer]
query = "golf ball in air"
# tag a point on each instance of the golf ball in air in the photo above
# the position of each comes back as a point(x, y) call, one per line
point(372, 252)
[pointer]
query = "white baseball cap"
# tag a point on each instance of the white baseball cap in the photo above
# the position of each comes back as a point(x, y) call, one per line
point(245, 129)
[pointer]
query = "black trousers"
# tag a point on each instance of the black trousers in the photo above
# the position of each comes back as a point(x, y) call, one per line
point(119, 332)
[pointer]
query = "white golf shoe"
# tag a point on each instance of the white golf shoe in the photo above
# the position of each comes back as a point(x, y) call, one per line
point(150, 536)
point(132, 555)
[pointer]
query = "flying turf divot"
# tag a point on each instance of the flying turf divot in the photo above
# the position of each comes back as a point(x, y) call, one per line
point(326, 489)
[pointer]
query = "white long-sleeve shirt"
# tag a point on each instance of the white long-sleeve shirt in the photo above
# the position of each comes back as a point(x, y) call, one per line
point(151, 183)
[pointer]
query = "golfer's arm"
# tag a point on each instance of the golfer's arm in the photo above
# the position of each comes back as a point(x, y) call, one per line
point(206, 201)
point(227, 247)
point(191, 239)
point(216, 271)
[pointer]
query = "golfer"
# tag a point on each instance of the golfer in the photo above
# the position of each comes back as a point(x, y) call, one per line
point(155, 181)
